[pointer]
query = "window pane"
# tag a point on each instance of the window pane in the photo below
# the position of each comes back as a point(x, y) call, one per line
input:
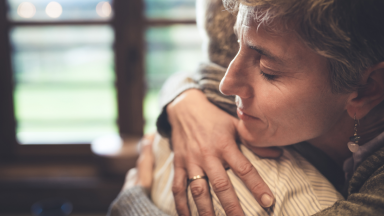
point(64, 90)
point(58, 10)
point(169, 49)
point(170, 9)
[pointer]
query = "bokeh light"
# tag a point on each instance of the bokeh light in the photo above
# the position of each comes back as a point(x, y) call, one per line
point(53, 10)
point(103, 9)
point(26, 10)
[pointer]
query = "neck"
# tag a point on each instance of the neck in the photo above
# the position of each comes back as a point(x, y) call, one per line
point(334, 141)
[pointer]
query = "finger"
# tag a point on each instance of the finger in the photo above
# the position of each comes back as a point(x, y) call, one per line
point(147, 139)
point(131, 175)
point(223, 187)
point(146, 157)
point(150, 137)
point(200, 191)
point(130, 179)
point(145, 165)
point(249, 175)
point(179, 190)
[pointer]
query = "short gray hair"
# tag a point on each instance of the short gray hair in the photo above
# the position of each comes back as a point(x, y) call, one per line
point(349, 33)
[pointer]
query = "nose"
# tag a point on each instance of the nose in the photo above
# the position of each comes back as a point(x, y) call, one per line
point(237, 79)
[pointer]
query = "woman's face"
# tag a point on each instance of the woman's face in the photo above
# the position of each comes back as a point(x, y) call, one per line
point(282, 88)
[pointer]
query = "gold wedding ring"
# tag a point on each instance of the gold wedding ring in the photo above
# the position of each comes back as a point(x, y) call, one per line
point(197, 177)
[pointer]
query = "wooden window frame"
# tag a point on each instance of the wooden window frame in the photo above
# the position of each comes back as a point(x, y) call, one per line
point(28, 171)
point(129, 82)
point(129, 26)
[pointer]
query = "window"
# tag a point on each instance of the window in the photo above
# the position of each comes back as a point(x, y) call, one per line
point(63, 65)
point(173, 45)
point(71, 86)
point(64, 83)
point(63, 62)
point(63, 75)
point(71, 70)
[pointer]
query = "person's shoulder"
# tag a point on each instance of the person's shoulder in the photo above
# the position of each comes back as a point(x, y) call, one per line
point(366, 190)
point(368, 173)
point(290, 174)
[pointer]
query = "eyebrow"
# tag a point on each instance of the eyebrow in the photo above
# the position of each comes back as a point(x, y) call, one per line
point(266, 53)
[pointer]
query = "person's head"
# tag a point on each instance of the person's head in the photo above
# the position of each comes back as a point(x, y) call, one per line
point(305, 66)
point(216, 27)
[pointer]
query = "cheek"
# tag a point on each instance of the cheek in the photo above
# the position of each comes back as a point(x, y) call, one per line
point(274, 103)
point(291, 115)
point(308, 116)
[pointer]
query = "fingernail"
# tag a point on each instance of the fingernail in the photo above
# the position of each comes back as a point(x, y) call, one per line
point(266, 200)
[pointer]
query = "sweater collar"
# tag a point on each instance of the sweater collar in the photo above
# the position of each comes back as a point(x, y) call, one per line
point(351, 164)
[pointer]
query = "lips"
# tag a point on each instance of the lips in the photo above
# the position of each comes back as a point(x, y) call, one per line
point(245, 117)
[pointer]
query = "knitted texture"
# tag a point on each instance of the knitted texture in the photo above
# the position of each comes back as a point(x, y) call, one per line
point(366, 190)
point(133, 202)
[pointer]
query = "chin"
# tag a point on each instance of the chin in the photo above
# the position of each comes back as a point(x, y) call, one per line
point(252, 134)
point(257, 136)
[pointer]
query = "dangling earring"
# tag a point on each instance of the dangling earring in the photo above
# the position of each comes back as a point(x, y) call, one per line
point(353, 145)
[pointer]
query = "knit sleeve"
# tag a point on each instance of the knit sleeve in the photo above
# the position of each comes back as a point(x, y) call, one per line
point(207, 79)
point(173, 87)
point(133, 202)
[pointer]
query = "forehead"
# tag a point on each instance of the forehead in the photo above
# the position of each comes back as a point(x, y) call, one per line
point(275, 39)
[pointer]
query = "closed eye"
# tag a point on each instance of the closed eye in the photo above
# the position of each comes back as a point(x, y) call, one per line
point(269, 77)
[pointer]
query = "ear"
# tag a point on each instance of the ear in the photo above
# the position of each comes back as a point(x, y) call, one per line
point(361, 102)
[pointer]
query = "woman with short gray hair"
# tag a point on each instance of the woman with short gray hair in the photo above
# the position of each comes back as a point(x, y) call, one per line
point(308, 71)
